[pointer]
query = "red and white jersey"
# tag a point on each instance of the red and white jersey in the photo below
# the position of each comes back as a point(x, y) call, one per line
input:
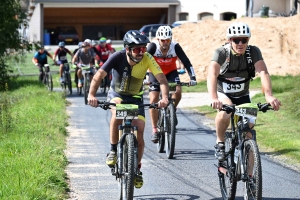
point(167, 63)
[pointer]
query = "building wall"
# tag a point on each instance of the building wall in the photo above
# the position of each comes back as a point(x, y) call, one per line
point(36, 30)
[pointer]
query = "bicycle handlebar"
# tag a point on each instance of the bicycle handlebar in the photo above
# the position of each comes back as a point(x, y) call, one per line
point(170, 84)
point(105, 105)
point(261, 107)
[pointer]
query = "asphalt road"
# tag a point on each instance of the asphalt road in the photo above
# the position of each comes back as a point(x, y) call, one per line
point(190, 175)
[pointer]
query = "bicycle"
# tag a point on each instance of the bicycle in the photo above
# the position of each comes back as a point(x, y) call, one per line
point(167, 122)
point(47, 77)
point(126, 167)
point(86, 82)
point(67, 82)
point(242, 157)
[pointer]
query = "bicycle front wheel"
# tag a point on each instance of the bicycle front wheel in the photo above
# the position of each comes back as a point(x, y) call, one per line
point(171, 133)
point(49, 81)
point(86, 87)
point(69, 82)
point(226, 172)
point(160, 124)
point(127, 177)
point(253, 185)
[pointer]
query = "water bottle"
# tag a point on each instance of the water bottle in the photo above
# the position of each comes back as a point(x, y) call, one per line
point(236, 153)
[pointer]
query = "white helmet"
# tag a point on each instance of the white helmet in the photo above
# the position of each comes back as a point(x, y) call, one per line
point(88, 41)
point(238, 29)
point(164, 32)
point(108, 41)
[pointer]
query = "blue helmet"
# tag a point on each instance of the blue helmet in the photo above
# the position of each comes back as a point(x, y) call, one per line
point(80, 44)
point(61, 44)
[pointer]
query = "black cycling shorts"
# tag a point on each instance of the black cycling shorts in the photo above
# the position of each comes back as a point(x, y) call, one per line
point(172, 77)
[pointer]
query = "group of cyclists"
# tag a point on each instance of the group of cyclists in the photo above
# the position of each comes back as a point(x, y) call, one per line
point(89, 53)
point(229, 75)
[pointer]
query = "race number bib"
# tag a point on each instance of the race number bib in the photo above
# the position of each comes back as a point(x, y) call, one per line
point(234, 87)
point(63, 58)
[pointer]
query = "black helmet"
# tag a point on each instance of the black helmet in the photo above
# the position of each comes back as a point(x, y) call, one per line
point(135, 37)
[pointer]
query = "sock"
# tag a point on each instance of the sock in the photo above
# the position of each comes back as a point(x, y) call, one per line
point(140, 165)
point(113, 147)
point(154, 129)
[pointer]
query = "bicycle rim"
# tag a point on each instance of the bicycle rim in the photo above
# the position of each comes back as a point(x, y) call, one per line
point(127, 179)
point(253, 186)
point(161, 142)
point(226, 174)
point(86, 88)
point(171, 134)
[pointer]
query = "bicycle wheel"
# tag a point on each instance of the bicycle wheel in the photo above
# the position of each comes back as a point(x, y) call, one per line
point(226, 172)
point(253, 186)
point(171, 134)
point(49, 82)
point(69, 82)
point(127, 178)
point(86, 87)
point(160, 124)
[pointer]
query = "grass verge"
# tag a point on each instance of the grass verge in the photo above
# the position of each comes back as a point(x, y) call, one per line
point(32, 159)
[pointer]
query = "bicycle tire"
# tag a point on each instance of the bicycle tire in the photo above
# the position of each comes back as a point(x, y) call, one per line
point(69, 82)
point(171, 134)
point(49, 81)
point(255, 191)
point(227, 181)
point(127, 179)
point(86, 87)
point(161, 141)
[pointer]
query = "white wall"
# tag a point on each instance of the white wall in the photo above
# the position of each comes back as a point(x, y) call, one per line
point(35, 25)
point(218, 7)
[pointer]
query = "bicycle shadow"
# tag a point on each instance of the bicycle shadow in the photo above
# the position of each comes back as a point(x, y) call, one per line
point(167, 196)
point(264, 198)
point(192, 154)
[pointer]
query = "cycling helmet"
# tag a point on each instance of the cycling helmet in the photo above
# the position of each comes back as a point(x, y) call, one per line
point(164, 32)
point(79, 44)
point(108, 41)
point(61, 44)
point(94, 42)
point(88, 41)
point(134, 37)
point(102, 39)
point(85, 44)
point(238, 29)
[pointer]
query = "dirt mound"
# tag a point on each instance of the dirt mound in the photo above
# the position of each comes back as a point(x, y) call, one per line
point(277, 38)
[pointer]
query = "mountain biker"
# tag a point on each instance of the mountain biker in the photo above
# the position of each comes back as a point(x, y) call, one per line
point(77, 61)
point(229, 83)
point(40, 59)
point(85, 55)
point(94, 47)
point(165, 52)
point(61, 53)
point(105, 51)
point(129, 67)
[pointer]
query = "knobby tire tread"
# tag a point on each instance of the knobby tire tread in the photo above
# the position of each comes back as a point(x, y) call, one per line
point(86, 87)
point(129, 166)
point(171, 136)
point(160, 123)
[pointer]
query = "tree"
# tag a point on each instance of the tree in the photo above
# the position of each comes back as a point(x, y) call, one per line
point(11, 44)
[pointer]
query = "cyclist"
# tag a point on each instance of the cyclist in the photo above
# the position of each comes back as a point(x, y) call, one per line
point(109, 43)
point(129, 67)
point(228, 78)
point(77, 61)
point(61, 53)
point(40, 59)
point(165, 52)
point(105, 51)
point(85, 55)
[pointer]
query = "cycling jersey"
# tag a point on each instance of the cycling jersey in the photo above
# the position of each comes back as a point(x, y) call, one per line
point(127, 80)
point(42, 57)
point(62, 54)
point(231, 82)
point(168, 62)
point(105, 52)
point(85, 57)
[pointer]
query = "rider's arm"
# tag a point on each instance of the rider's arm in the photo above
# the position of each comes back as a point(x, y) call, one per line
point(161, 78)
point(185, 61)
point(96, 81)
point(55, 54)
point(34, 61)
point(212, 75)
point(69, 52)
point(50, 56)
point(75, 58)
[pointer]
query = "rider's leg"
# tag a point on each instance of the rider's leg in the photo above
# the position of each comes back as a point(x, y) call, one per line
point(41, 75)
point(154, 97)
point(177, 95)
point(80, 77)
point(61, 72)
point(141, 144)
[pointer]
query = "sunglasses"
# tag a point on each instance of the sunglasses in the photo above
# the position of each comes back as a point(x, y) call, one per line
point(139, 49)
point(167, 40)
point(238, 40)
